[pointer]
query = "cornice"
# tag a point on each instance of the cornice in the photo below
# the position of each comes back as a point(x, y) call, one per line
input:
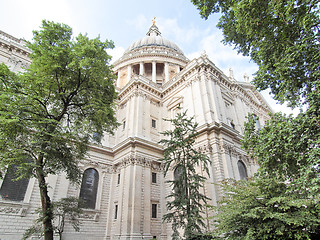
point(148, 51)
point(137, 142)
point(140, 161)
point(11, 43)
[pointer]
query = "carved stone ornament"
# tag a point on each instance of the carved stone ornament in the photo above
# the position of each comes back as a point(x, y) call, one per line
point(205, 148)
point(141, 161)
point(13, 209)
point(90, 215)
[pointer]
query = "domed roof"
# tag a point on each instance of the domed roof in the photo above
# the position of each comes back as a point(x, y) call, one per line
point(153, 38)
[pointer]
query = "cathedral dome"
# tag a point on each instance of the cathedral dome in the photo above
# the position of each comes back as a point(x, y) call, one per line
point(154, 39)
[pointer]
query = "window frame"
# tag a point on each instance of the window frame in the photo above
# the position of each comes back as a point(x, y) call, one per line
point(91, 202)
point(18, 195)
point(154, 210)
point(153, 177)
point(242, 168)
point(116, 210)
point(153, 123)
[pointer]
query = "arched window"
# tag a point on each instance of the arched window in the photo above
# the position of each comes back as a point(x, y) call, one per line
point(242, 170)
point(89, 187)
point(12, 189)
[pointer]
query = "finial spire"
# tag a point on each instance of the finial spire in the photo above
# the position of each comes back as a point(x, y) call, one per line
point(154, 21)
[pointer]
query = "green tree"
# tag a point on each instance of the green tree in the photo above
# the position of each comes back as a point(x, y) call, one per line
point(282, 37)
point(66, 209)
point(48, 114)
point(282, 200)
point(186, 203)
point(265, 208)
point(287, 149)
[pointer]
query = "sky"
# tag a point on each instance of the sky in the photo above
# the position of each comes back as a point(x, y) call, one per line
point(125, 21)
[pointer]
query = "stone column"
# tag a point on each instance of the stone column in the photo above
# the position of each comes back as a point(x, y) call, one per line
point(129, 73)
point(178, 69)
point(166, 72)
point(141, 69)
point(154, 71)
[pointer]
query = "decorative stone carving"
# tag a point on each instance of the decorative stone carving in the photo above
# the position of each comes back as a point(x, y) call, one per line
point(205, 148)
point(90, 215)
point(13, 209)
point(142, 161)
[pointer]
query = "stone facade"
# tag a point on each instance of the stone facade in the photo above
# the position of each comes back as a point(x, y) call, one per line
point(154, 78)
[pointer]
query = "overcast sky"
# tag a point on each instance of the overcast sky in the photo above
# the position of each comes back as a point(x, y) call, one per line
point(125, 21)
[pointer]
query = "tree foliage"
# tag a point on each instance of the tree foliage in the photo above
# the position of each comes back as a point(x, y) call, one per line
point(287, 149)
point(265, 208)
point(65, 210)
point(186, 202)
point(282, 200)
point(48, 113)
point(282, 37)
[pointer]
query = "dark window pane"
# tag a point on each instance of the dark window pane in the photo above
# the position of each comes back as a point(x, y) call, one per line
point(154, 177)
point(89, 186)
point(115, 211)
point(11, 189)
point(154, 123)
point(119, 178)
point(242, 170)
point(154, 210)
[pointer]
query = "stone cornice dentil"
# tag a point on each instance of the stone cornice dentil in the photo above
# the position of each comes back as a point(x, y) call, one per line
point(9, 42)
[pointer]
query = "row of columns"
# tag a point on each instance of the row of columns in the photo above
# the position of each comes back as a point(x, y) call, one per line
point(154, 71)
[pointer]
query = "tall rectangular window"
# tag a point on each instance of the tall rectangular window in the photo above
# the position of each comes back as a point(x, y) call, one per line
point(154, 177)
point(153, 123)
point(116, 211)
point(123, 125)
point(119, 178)
point(154, 210)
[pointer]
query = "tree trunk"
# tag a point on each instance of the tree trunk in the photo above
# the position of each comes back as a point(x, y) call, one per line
point(46, 205)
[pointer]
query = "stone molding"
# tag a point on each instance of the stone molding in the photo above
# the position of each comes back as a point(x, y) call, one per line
point(90, 214)
point(140, 161)
point(161, 52)
point(13, 208)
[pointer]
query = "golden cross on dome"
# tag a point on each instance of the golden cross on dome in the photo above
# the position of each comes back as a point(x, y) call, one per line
point(154, 21)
